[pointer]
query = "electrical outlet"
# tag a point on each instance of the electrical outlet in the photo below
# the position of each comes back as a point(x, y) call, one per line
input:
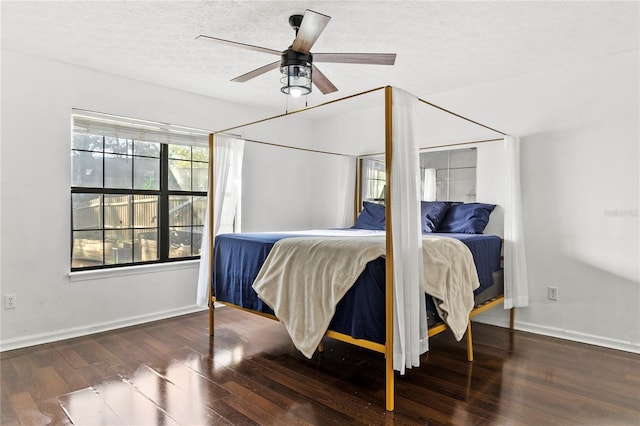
point(10, 301)
point(552, 293)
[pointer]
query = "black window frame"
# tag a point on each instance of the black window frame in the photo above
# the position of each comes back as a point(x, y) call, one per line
point(163, 194)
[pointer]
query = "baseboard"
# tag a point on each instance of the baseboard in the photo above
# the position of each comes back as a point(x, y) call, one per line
point(574, 336)
point(42, 338)
point(39, 339)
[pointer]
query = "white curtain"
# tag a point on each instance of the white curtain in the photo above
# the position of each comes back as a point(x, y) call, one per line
point(347, 185)
point(429, 185)
point(410, 324)
point(227, 171)
point(516, 285)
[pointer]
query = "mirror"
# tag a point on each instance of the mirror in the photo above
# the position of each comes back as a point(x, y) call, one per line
point(448, 175)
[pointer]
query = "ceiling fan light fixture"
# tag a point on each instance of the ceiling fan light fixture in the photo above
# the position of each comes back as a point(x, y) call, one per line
point(296, 80)
point(296, 72)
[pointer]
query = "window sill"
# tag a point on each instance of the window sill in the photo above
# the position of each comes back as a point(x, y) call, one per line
point(100, 274)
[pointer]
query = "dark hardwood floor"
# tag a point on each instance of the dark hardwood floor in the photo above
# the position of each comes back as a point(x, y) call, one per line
point(171, 373)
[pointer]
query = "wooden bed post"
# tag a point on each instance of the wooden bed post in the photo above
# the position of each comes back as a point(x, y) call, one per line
point(512, 319)
point(469, 342)
point(389, 320)
point(357, 195)
point(210, 293)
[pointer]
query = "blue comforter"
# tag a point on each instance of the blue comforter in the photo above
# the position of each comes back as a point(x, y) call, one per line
point(239, 257)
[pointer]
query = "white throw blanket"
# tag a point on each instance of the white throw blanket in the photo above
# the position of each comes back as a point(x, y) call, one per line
point(303, 279)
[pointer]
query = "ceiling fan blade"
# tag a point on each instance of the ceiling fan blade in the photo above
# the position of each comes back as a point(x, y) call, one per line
point(356, 58)
point(240, 45)
point(257, 72)
point(322, 82)
point(312, 25)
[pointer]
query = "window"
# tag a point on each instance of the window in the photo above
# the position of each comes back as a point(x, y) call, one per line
point(136, 196)
point(374, 177)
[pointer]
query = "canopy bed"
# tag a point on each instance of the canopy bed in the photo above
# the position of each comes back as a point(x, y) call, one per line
point(402, 260)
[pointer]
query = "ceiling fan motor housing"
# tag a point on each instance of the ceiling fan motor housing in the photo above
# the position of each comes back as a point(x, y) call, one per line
point(292, 58)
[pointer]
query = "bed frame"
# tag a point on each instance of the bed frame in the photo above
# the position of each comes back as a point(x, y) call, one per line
point(387, 348)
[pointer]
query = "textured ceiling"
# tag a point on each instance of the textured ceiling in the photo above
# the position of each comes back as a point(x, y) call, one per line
point(440, 45)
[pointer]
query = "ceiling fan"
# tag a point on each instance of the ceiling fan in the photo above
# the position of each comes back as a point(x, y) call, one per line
point(296, 62)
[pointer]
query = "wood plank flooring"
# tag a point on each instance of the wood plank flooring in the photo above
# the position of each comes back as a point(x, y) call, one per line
point(171, 373)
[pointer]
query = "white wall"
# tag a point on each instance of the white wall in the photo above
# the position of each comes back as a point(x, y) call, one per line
point(37, 98)
point(287, 189)
point(490, 188)
point(580, 183)
point(337, 133)
point(290, 189)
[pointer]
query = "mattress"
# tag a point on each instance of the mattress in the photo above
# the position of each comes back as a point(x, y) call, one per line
point(239, 257)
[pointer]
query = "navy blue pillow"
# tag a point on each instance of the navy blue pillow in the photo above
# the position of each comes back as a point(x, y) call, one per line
point(371, 217)
point(431, 214)
point(469, 218)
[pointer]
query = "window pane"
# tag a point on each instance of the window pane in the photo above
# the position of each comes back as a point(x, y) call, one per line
point(180, 210)
point(118, 246)
point(373, 180)
point(86, 169)
point(146, 149)
point(87, 249)
point(197, 239)
point(86, 142)
point(146, 173)
point(117, 211)
point(180, 152)
point(180, 242)
point(199, 208)
point(200, 176)
point(118, 145)
point(86, 211)
point(200, 154)
point(145, 211)
point(146, 245)
point(117, 171)
point(179, 175)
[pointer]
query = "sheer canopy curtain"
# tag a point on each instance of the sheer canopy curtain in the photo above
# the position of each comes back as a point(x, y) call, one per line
point(410, 322)
point(516, 285)
point(227, 171)
point(429, 185)
point(347, 184)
